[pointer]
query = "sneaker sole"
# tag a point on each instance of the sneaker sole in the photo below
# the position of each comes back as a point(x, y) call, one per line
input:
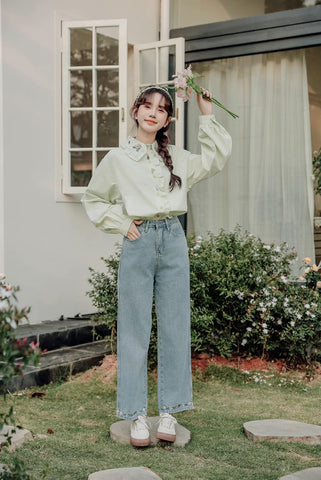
point(166, 436)
point(140, 442)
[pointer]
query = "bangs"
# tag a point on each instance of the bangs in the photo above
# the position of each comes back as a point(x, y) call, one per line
point(145, 97)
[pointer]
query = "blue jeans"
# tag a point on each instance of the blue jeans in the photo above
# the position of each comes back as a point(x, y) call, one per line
point(155, 263)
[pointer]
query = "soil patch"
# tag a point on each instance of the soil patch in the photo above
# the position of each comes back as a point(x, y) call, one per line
point(106, 371)
point(201, 362)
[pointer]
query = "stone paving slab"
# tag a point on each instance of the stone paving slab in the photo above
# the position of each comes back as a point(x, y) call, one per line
point(120, 432)
point(135, 473)
point(20, 436)
point(283, 430)
point(308, 474)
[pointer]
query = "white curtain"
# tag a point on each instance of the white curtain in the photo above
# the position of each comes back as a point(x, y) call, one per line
point(267, 185)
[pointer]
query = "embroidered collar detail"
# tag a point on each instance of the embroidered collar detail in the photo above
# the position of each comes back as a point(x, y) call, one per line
point(136, 150)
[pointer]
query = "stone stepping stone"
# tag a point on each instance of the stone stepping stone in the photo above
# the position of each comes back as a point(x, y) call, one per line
point(308, 474)
point(283, 430)
point(120, 432)
point(135, 473)
point(20, 436)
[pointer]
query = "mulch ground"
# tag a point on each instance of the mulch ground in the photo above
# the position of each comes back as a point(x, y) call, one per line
point(107, 370)
point(201, 362)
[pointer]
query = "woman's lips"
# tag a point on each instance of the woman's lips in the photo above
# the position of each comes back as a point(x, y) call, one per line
point(151, 122)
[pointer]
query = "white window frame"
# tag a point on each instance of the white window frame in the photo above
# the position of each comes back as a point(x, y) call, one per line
point(64, 190)
point(179, 44)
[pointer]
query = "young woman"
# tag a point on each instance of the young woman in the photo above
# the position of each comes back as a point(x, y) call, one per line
point(138, 190)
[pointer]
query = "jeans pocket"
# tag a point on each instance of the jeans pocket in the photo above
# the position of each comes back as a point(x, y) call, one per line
point(141, 231)
point(177, 229)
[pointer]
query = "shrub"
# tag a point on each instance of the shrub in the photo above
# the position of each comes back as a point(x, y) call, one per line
point(14, 356)
point(103, 295)
point(243, 299)
point(311, 274)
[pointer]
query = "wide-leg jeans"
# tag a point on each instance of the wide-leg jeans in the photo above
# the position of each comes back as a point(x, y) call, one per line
point(155, 263)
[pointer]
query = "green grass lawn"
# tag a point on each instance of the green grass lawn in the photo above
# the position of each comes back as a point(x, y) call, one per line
point(80, 413)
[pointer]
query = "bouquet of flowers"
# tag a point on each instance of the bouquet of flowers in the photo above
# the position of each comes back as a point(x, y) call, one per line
point(184, 84)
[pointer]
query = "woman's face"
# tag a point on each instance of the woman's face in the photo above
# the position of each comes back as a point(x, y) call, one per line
point(152, 115)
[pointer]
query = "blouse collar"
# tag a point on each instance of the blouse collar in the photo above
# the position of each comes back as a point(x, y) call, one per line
point(136, 150)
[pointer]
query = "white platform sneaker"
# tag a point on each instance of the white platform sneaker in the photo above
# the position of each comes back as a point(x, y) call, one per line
point(140, 432)
point(166, 428)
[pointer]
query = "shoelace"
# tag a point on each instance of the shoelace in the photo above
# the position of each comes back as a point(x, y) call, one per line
point(141, 423)
point(167, 420)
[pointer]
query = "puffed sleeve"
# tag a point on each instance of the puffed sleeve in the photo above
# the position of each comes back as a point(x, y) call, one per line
point(102, 201)
point(216, 148)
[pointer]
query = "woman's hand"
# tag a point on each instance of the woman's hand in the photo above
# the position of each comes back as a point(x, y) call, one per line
point(205, 105)
point(133, 232)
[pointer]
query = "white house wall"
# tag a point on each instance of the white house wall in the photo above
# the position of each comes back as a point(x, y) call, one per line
point(1, 164)
point(48, 245)
point(185, 13)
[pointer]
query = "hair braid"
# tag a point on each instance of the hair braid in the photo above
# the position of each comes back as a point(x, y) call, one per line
point(163, 140)
point(161, 137)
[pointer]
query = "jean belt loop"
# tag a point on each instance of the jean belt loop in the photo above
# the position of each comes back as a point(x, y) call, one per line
point(146, 225)
point(167, 224)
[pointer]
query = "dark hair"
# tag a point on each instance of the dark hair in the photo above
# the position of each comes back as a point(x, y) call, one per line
point(161, 136)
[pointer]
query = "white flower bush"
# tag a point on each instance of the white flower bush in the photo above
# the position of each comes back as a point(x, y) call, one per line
point(244, 300)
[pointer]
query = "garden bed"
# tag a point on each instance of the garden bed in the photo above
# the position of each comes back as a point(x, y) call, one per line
point(202, 361)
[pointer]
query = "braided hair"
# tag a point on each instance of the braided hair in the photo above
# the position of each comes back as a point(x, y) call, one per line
point(161, 136)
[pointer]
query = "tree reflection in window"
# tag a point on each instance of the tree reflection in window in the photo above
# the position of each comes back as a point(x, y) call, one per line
point(81, 88)
point(108, 88)
point(81, 47)
point(100, 69)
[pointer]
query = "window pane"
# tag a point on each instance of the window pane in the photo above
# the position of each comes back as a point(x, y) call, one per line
point(101, 155)
point(81, 168)
point(81, 129)
point(107, 45)
point(167, 59)
point(81, 88)
point(147, 65)
point(108, 129)
point(108, 88)
point(80, 46)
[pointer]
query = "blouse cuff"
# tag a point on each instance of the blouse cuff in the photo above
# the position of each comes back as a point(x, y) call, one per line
point(123, 229)
point(206, 119)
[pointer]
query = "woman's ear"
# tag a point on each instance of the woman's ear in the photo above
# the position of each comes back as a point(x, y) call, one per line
point(168, 121)
point(134, 112)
